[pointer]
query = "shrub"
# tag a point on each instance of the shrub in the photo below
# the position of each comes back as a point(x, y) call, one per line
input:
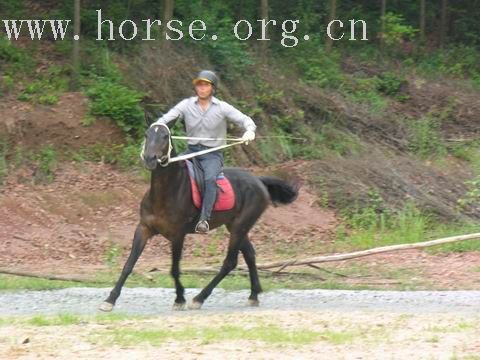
point(46, 88)
point(14, 60)
point(425, 138)
point(320, 68)
point(455, 60)
point(6, 84)
point(472, 195)
point(9, 52)
point(396, 30)
point(46, 162)
point(119, 103)
point(390, 84)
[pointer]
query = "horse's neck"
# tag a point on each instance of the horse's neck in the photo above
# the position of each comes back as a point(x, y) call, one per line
point(169, 180)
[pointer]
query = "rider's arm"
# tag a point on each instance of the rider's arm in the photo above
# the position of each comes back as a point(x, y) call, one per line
point(239, 118)
point(174, 113)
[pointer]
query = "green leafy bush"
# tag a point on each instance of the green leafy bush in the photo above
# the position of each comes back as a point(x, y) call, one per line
point(119, 103)
point(46, 162)
point(9, 52)
point(14, 60)
point(320, 69)
point(365, 91)
point(425, 138)
point(472, 196)
point(46, 88)
point(396, 31)
point(390, 84)
point(6, 84)
point(454, 60)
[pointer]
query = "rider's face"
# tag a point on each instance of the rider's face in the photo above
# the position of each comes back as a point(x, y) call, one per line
point(203, 89)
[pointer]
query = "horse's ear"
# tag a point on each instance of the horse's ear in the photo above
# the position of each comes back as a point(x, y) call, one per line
point(151, 113)
point(149, 119)
point(171, 124)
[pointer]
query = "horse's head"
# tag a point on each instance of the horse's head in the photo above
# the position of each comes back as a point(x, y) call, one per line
point(157, 146)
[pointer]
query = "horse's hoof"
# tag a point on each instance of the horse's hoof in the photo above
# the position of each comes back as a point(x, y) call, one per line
point(195, 305)
point(105, 306)
point(179, 306)
point(252, 302)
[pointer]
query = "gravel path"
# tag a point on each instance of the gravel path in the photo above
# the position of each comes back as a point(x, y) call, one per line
point(150, 301)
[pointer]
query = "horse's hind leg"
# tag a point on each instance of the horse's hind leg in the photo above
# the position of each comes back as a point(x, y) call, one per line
point(248, 252)
point(142, 234)
point(229, 264)
point(239, 229)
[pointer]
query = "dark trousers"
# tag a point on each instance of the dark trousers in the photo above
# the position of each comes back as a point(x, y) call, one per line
point(212, 165)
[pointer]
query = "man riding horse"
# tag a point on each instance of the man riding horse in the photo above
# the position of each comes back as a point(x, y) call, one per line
point(205, 116)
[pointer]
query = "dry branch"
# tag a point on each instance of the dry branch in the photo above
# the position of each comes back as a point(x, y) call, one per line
point(357, 254)
point(283, 264)
point(43, 276)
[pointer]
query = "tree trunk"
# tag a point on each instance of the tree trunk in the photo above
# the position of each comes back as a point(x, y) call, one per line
point(383, 11)
point(443, 22)
point(264, 16)
point(168, 6)
point(76, 47)
point(422, 21)
point(333, 14)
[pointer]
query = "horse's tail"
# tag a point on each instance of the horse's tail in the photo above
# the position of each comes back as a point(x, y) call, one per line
point(279, 190)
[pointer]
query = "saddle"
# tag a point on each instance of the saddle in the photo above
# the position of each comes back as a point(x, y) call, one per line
point(225, 195)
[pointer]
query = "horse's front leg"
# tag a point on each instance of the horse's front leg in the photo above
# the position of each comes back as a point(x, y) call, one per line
point(142, 234)
point(177, 248)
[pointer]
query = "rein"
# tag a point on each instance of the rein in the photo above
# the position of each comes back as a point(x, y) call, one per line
point(166, 159)
point(201, 152)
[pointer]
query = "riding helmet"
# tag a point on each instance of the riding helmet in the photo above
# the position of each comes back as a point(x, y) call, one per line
point(206, 75)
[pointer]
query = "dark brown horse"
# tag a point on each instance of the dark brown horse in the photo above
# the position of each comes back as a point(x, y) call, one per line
point(167, 209)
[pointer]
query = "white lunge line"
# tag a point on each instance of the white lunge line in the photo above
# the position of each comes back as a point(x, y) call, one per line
point(201, 152)
point(165, 160)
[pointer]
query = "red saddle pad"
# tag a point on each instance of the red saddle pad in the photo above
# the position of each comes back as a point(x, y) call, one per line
point(225, 194)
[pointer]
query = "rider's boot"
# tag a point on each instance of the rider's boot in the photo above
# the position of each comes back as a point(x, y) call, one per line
point(208, 202)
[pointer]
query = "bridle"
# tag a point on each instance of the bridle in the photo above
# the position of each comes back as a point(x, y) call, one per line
point(165, 159)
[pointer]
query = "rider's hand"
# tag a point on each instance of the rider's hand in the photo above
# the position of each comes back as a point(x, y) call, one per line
point(249, 135)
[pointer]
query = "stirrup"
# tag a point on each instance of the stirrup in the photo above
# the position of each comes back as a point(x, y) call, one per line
point(202, 227)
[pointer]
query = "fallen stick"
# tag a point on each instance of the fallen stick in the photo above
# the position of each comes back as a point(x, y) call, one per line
point(43, 276)
point(284, 264)
point(357, 254)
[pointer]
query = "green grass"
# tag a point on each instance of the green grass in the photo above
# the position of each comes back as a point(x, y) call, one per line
point(373, 226)
point(125, 336)
point(12, 283)
point(66, 319)
point(461, 326)
point(46, 88)
point(233, 281)
point(61, 319)
point(425, 138)
point(47, 160)
point(469, 152)
point(446, 230)
point(270, 334)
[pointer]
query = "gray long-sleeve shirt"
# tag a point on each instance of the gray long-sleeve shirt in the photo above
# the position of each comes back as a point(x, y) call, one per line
point(210, 123)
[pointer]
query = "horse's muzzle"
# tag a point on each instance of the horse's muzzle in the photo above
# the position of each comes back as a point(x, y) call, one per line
point(150, 162)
